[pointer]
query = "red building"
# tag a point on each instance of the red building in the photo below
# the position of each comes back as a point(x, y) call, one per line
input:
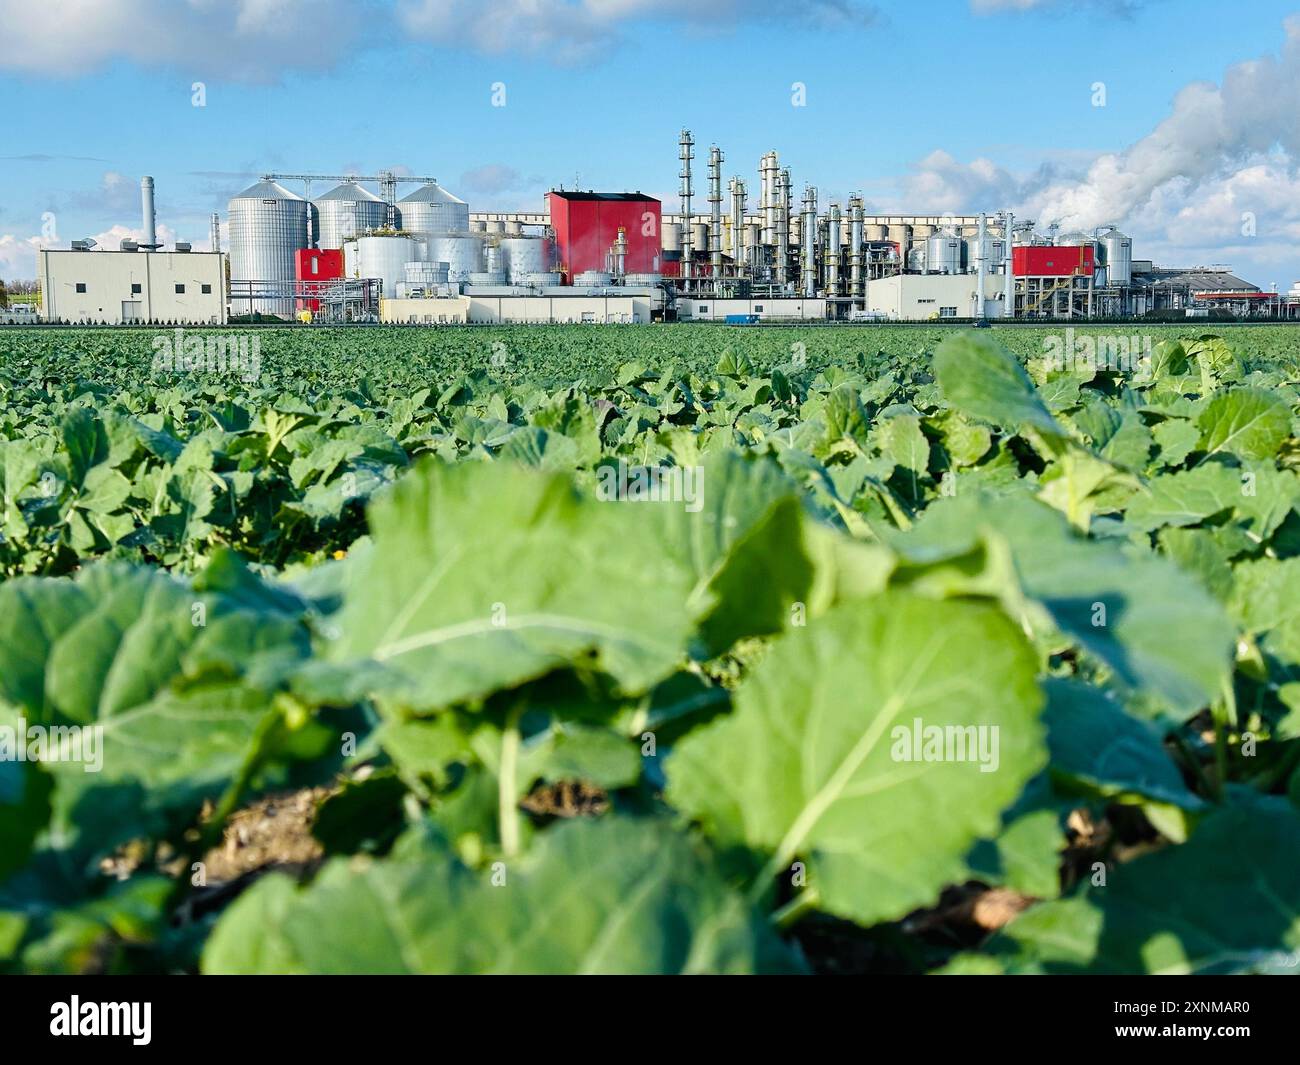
point(1032, 260)
point(316, 264)
point(586, 225)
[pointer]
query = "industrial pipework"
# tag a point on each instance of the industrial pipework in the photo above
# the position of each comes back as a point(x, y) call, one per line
point(808, 231)
point(833, 251)
point(687, 153)
point(715, 203)
point(855, 247)
point(981, 240)
point(783, 226)
point(738, 222)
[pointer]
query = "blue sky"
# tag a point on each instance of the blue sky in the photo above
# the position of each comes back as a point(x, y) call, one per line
point(951, 105)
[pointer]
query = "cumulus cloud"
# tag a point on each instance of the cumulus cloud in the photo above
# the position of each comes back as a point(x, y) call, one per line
point(1217, 180)
point(258, 40)
point(248, 40)
point(18, 257)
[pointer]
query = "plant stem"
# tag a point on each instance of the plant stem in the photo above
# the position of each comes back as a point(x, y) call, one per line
point(507, 793)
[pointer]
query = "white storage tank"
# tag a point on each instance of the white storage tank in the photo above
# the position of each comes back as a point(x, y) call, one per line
point(671, 236)
point(386, 259)
point(527, 255)
point(593, 279)
point(345, 212)
point(462, 254)
point(486, 279)
point(545, 279)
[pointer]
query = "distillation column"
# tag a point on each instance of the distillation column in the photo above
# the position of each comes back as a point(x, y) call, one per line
point(808, 231)
point(783, 226)
point(715, 204)
point(687, 153)
point(855, 247)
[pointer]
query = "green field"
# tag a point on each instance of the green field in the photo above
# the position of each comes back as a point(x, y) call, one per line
point(652, 649)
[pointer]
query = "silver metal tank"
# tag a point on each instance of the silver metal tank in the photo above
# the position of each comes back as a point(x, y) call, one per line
point(943, 253)
point(345, 212)
point(642, 280)
point(433, 211)
point(1118, 249)
point(462, 254)
point(544, 279)
point(671, 236)
point(426, 274)
point(527, 255)
point(514, 229)
point(496, 227)
point(593, 279)
point(268, 225)
point(876, 232)
point(486, 279)
point(700, 236)
point(386, 259)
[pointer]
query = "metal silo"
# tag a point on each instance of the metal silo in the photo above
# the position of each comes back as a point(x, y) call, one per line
point(875, 233)
point(1119, 257)
point(268, 225)
point(345, 212)
point(943, 253)
point(671, 236)
point(433, 211)
point(900, 235)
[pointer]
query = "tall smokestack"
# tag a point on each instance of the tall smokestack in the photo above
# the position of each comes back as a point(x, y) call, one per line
point(146, 205)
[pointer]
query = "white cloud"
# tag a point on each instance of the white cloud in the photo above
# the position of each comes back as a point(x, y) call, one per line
point(249, 40)
point(18, 257)
point(258, 40)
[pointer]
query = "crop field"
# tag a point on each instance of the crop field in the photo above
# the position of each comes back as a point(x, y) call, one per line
point(650, 650)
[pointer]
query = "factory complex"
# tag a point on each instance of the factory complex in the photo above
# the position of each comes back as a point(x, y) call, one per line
point(359, 252)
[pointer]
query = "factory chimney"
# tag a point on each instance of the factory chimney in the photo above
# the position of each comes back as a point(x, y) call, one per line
point(808, 231)
point(146, 203)
point(216, 231)
point(782, 225)
point(981, 242)
point(1009, 298)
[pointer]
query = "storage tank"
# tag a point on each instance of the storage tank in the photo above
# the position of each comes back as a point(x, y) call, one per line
point(900, 235)
point(268, 227)
point(486, 279)
point(700, 236)
point(433, 211)
point(386, 259)
point(527, 255)
point(875, 233)
point(545, 279)
point(514, 229)
point(644, 280)
point(1118, 250)
point(671, 233)
point(462, 254)
point(943, 253)
point(428, 275)
point(496, 227)
point(345, 212)
point(593, 279)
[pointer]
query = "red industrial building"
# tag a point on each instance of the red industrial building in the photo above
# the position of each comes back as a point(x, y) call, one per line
point(587, 224)
point(1052, 260)
point(316, 264)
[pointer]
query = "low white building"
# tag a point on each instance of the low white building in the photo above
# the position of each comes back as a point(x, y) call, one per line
point(920, 297)
point(705, 309)
point(118, 287)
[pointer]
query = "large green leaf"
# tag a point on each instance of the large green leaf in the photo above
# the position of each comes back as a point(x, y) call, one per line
point(1247, 422)
point(982, 379)
point(1228, 900)
point(611, 896)
point(485, 576)
point(810, 764)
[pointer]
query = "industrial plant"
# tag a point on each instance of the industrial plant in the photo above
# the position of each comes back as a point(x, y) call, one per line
point(356, 253)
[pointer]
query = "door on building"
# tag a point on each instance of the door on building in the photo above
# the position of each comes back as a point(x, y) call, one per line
point(131, 311)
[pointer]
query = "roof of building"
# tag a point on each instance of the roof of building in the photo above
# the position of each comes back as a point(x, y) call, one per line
point(1200, 279)
point(637, 197)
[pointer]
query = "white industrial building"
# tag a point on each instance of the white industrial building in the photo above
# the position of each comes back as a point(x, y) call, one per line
point(917, 297)
point(767, 308)
point(557, 305)
point(120, 287)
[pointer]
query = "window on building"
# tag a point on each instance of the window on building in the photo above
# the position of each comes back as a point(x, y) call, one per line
point(136, 289)
point(81, 286)
point(947, 312)
point(704, 310)
point(207, 290)
point(180, 290)
point(758, 308)
point(923, 300)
